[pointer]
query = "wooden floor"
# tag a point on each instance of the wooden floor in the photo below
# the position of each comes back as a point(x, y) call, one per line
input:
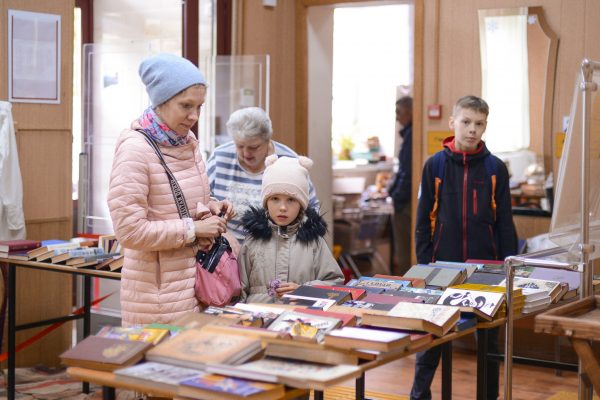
point(531, 383)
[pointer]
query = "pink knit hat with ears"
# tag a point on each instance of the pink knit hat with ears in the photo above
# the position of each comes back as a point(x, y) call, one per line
point(286, 175)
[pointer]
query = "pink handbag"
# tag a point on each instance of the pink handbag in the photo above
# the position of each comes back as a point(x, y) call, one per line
point(219, 287)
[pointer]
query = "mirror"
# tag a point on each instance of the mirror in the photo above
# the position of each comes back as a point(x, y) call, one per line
point(518, 63)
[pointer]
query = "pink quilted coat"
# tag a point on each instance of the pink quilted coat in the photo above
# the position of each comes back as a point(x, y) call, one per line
point(157, 283)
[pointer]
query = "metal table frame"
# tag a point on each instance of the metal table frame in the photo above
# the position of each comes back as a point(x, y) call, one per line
point(11, 292)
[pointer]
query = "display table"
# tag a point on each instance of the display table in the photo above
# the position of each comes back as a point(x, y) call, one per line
point(13, 267)
point(580, 322)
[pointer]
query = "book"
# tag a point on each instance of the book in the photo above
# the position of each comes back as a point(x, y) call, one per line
point(320, 293)
point(311, 302)
point(347, 319)
point(248, 331)
point(380, 283)
point(436, 319)
point(243, 317)
point(553, 288)
point(195, 349)
point(487, 303)
point(414, 282)
point(366, 305)
point(52, 244)
point(104, 354)
point(116, 263)
point(136, 333)
point(558, 275)
point(18, 244)
point(78, 252)
point(437, 276)
point(356, 293)
point(429, 296)
point(96, 258)
point(216, 387)
point(389, 299)
point(266, 314)
point(364, 338)
point(194, 320)
point(304, 326)
point(309, 351)
point(294, 373)
point(468, 267)
point(15, 255)
point(155, 375)
point(485, 278)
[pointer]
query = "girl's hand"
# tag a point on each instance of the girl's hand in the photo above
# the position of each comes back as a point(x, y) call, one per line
point(286, 287)
point(223, 207)
point(210, 227)
point(205, 243)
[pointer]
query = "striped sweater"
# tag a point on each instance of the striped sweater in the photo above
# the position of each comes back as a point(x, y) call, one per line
point(228, 180)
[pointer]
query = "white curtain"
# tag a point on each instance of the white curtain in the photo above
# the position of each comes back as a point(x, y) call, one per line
point(505, 83)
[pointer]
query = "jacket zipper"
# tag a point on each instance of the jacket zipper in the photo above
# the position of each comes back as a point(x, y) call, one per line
point(464, 205)
point(474, 202)
point(493, 242)
point(437, 242)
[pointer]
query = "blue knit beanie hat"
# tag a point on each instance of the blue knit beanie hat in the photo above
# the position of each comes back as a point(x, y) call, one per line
point(165, 75)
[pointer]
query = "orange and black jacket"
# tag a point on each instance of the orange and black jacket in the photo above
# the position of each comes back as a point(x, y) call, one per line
point(465, 214)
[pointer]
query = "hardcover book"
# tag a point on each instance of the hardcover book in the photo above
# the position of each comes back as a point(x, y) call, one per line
point(347, 319)
point(306, 326)
point(389, 299)
point(485, 302)
point(48, 245)
point(356, 293)
point(436, 319)
point(428, 296)
point(194, 349)
point(437, 276)
point(485, 278)
point(553, 288)
point(557, 275)
point(309, 351)
point(294, 373)
point(364, 338)
point(414, 282)
point(136, 333)
point(320, 293)
point(156, 375)
point(381, 283)
point(104, 354)
point(22, 244)
point(367, 305)
point(311, 302)
point(15, 255)
point(216, 387)
point(79, 252)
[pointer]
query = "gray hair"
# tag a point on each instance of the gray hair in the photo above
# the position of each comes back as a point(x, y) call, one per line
point(251, 122)
point(405, 102)
point(470, 102)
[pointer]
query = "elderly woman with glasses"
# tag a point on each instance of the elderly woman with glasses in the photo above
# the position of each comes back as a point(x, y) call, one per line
point(235, 169)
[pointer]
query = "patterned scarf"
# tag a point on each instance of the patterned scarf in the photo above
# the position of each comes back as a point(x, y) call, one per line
point(159, 131)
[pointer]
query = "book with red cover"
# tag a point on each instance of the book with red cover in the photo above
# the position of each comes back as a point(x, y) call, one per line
point(8, 246)
point(491, 262)
point(347, 319)
point(414, 282)
point(356, 293)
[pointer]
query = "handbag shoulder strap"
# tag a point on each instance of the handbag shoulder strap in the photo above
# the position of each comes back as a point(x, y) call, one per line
point(182, 207)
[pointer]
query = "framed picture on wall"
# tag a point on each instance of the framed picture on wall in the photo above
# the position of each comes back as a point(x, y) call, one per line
point(33, 57)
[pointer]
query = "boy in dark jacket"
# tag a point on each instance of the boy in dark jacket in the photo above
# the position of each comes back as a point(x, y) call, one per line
point(464, 214)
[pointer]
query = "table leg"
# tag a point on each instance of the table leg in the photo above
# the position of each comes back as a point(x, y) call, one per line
point(318, 395)
point(11, 290)
point(87, 307)
point(360, 387)
point(589, 361)
point(482, 363)
point(108, 393)
point(447, 370)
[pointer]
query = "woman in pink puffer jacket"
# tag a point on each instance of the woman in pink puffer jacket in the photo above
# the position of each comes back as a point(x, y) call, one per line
point(158, 275)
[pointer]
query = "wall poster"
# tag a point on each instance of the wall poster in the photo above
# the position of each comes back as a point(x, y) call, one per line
point(33, 57)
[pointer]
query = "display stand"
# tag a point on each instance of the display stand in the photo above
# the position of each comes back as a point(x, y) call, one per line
point(576, 249)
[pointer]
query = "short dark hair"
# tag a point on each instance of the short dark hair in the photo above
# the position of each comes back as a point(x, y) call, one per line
point(405, 102)
point(472, 103)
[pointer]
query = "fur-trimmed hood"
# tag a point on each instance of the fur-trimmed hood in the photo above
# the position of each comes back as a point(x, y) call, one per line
point(258, 225)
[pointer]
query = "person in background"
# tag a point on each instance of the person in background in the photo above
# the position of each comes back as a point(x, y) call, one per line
point(235, 169)
point(401, 190)
point(376, 193)
point(464, 214)
point(159, 272)
point(285, 247)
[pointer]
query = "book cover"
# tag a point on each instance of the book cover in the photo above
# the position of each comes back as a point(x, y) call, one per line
point(78, 252)
point(347, 319)
point(419, 271)
point(356, 293)
point(104, 354)
point(194, 349)
point(303, 325)
point(557, 275)
point(469, 268)
point(553, 288)
point(311, 302)
point(96, 258)
point(156, 375)
point(414, 282)
point(309, 351)
point(486, 302)
point(15, 255)
point(22, 244)
point(320, 293)
point(436, 319)
point(47, 245)
point(194, 320)
point(364, 338)
point(485, 278)
point(136, 333)
point(228, 387)
point(367, 305)
point(381, 283)
point(295, 373)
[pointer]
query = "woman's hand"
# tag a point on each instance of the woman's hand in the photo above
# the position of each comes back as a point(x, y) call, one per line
point(210, 227)
point(286, 287)
point(222, 207)
point(205, 243)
